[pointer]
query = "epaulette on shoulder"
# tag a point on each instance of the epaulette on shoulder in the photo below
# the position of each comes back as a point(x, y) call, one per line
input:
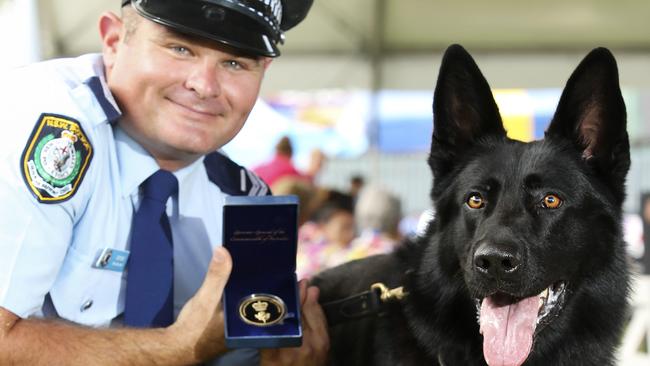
point(232, 178)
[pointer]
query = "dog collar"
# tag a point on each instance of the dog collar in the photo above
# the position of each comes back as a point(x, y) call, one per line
point(368, 303)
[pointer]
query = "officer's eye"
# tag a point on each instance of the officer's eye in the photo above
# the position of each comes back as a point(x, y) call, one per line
point(551, 201)
point(234, 64)
point(181, 50)
point(475, 201)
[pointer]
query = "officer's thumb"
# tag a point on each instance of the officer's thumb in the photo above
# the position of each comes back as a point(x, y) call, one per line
point(217, 275)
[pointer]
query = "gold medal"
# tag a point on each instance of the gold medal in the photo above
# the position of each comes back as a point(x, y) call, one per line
point(262, 310)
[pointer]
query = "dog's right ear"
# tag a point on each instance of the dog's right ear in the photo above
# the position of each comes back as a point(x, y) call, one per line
point(464, 109)
point(591, 114)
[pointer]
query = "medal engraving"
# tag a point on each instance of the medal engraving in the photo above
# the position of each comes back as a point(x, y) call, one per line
point(262, 310)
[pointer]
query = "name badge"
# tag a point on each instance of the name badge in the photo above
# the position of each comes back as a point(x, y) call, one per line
point(112, 260)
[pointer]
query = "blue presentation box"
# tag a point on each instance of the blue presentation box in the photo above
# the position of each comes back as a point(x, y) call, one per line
point(261, 299)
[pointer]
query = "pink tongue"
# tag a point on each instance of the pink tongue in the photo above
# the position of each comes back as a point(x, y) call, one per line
point(508, 330)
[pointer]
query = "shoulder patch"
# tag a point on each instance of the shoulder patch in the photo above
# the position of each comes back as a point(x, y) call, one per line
point(55, 158)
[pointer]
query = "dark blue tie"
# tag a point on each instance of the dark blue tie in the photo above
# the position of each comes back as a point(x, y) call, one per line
point(150, 280)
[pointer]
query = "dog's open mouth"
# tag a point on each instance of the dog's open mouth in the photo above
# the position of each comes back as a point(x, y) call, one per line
point(509, 324)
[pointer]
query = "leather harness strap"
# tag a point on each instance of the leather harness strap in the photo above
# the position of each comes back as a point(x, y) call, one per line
point(364, 304)
point(368, 303)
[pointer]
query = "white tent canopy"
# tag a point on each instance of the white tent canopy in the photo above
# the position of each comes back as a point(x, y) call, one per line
point(377, 44)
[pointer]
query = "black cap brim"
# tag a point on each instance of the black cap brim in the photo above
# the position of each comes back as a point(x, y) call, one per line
point(213, 22)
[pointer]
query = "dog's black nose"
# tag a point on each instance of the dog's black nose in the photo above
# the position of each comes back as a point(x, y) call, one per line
point(497, 261)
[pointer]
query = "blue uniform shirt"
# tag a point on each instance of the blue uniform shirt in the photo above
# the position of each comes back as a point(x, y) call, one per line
point(50, 235)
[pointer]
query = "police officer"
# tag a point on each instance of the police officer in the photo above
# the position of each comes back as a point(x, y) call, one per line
point(89, 137)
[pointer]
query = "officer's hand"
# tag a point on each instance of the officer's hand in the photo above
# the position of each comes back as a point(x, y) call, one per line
point(315, 340)
point(199, 326)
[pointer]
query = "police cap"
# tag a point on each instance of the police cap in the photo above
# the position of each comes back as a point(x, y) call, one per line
point(252, 26)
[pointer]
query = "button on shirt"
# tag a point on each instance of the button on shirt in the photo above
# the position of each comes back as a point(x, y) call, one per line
point(47, 249)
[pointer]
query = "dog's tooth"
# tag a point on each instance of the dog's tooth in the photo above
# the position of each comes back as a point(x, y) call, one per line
point(544, 294)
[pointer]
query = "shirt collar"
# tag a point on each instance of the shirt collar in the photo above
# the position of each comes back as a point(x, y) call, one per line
point(188, 184)
point(109, 104)
point(98, 86)
point(136, 165)
point(134, 162)
point(96, 82)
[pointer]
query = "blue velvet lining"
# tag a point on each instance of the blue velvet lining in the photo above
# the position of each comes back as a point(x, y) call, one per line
point(262, 240)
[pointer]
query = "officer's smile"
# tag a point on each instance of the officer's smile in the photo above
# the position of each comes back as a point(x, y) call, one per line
point(196, 110)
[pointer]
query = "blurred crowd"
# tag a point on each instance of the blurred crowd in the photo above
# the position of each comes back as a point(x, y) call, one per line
point(335, 225)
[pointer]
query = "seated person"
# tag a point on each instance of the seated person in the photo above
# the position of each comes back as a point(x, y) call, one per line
point(324, 240)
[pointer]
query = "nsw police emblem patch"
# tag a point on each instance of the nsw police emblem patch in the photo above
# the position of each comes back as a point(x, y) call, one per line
point(56, 158)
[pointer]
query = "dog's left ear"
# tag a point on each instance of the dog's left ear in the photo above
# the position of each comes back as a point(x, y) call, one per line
point(464, 110)
point(591, 113)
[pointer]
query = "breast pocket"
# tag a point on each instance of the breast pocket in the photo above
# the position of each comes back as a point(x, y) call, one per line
point(87, 295)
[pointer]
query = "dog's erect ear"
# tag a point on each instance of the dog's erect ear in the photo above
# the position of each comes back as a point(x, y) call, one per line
point(591, 114)
point(463, 109)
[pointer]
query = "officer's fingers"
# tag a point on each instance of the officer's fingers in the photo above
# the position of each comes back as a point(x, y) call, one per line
point(302, 286)
point(272, 357)
point(315, 324)
point(215, 279)
point(314, 315)
point(199, 326)
point(315, 344)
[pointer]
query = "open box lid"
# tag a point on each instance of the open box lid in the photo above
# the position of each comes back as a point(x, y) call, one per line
point(260, 232)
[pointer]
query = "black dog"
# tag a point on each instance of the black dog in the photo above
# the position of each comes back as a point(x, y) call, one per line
point(525, 261)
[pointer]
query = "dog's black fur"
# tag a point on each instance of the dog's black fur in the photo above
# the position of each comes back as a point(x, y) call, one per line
point(515, 242)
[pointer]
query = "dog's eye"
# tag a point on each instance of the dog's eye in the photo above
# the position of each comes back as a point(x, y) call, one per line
point(475, 201)
point(551, 201)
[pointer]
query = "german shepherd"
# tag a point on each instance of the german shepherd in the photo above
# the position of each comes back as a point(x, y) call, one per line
point(524, 263)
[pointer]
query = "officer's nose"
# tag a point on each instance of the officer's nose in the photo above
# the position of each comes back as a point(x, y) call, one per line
point(204, 80)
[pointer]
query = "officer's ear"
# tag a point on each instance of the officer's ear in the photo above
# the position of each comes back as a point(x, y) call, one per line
point(267, 62)
point(111, 31)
